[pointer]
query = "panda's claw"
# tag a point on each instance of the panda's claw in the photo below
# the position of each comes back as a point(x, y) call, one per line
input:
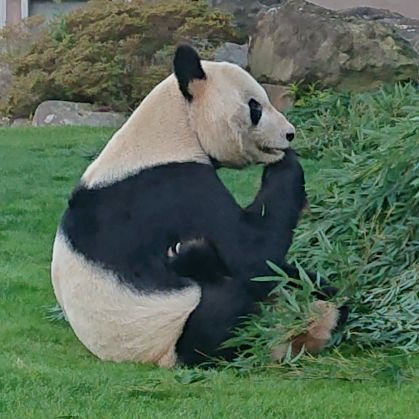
point(170, 252)
point(173, 251)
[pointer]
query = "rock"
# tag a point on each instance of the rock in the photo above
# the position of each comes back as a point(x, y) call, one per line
point(232, 53)
point(280, 96)
point(56, 112)
point(4, 122)
point(244, 11)
point(408, 8)
point(301, 42)
point(20, 122)
point(404, 26)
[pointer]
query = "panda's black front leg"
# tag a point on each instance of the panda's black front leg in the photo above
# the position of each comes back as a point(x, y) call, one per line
point(276, 209)
point(285, 176)
point(279, 203)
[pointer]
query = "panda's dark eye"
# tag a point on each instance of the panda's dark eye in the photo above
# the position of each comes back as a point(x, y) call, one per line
point(255, 111)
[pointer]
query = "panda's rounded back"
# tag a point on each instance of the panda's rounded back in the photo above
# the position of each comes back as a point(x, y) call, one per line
point(158, 132)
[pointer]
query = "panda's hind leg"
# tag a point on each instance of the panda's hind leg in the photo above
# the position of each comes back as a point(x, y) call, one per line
point(221, 309)
point(318, 334)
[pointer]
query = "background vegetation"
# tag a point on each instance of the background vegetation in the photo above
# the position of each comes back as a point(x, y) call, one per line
point(365, 208)
point(110, 53)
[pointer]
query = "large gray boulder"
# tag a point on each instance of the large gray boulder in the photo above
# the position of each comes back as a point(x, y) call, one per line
point(233, 53)
point(57, 112)
point(4, 122)
point(404, 26)
point(244, 11)
point(408, 8)
point(302, 42)
point(280, 96)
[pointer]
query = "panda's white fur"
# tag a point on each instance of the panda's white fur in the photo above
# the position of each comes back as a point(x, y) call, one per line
point(114, 322)
point(157, 132)
point(166, 128)
point(121, 324)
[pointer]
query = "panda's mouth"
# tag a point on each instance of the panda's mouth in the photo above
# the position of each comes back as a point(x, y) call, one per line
point(269, 150)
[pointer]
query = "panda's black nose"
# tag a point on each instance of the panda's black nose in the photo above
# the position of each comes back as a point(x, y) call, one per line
point(290, 136)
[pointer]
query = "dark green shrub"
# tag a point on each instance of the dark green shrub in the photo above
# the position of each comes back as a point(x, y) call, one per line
point(366, 218)
point(339, 123)
point(110, 52)
point(363, 229)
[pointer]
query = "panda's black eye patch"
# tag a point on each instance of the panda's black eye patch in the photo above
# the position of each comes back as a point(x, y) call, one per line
point(255, 111)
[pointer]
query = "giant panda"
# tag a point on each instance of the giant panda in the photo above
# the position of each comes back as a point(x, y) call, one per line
point(153, 258)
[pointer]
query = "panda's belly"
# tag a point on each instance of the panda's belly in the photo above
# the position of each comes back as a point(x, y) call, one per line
point(114, 321)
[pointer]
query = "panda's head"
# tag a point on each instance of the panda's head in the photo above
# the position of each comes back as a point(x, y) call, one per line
point(204, 112)
point(230, 112)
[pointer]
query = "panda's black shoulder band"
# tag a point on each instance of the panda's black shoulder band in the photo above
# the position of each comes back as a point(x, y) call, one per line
point(187, 67)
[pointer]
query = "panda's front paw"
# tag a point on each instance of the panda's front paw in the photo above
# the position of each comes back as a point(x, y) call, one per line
point(187, 258)
point(197, 259)
point(187, 250)
point(286, 174)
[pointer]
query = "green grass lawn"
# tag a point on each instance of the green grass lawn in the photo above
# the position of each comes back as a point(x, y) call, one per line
point(46, 373)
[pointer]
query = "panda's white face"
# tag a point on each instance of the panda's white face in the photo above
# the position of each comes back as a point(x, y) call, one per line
point(234, 120)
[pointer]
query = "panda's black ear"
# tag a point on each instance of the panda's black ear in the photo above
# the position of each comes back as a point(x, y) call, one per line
point(187, 67)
